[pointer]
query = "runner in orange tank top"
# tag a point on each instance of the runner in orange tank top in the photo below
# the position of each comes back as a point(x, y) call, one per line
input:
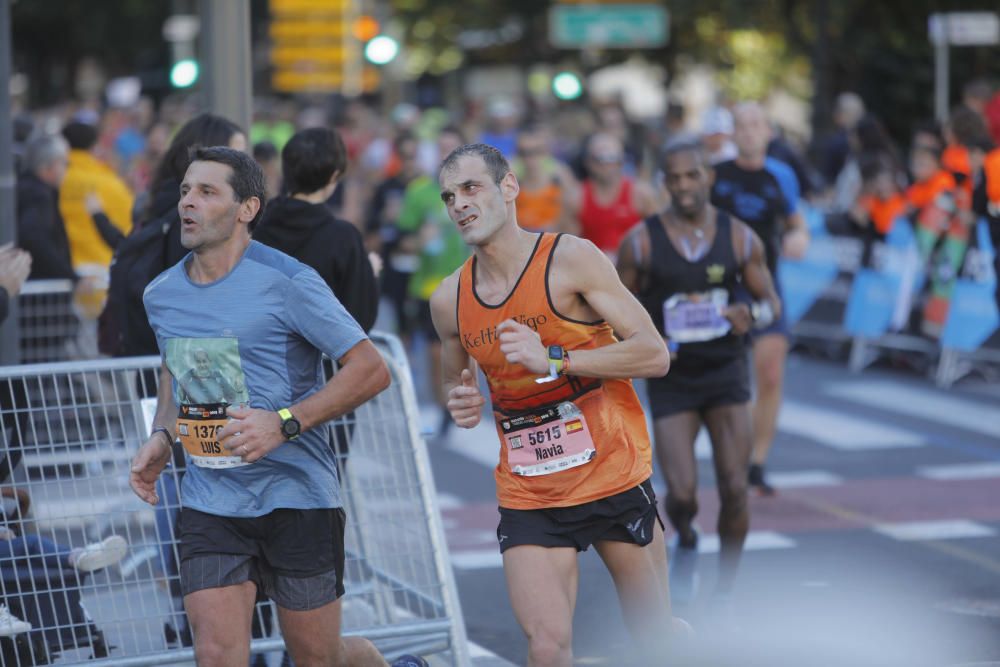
point(537, 312)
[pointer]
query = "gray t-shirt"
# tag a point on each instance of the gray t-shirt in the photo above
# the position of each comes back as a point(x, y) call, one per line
point(254, 337)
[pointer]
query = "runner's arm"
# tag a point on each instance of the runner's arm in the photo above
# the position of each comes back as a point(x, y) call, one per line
point(156, 452)
point(756, 276)
point(361, 375)
point(579, 267)
point(633, 255)
point(458, 372)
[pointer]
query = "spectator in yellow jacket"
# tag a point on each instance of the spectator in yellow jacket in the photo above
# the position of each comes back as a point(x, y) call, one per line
point(86, 175)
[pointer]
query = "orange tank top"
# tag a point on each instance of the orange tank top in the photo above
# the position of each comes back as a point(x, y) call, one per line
point(539, 210)
point(564, 442)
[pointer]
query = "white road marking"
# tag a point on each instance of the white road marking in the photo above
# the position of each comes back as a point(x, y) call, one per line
point(946, 529)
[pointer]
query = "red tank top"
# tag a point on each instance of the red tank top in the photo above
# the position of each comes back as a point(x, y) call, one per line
point(605, 225)
point(564, 442)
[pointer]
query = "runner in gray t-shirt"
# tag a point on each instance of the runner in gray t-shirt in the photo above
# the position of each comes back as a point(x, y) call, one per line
point(241, 329)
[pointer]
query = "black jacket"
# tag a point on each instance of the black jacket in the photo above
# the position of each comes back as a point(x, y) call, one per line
point(311, 234)
point(41, 230)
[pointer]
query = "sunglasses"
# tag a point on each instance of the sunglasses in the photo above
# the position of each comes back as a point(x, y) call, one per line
point(530, 152)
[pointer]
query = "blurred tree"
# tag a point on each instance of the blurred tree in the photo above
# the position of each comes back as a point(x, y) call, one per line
point(51, 38)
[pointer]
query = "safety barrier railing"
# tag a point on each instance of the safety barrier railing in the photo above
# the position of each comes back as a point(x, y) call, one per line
point(50, 322)
point(862, 298)
point(83, 421)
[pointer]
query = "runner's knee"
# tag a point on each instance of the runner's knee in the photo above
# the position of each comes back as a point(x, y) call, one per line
point(733, 496)
point(769, 375)
point(550, 647)
point(679, 505)
point(214, 651)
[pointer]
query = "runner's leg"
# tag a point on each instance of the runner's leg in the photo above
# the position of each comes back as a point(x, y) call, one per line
point(675, 437)
point(313, 639)
point(640, 576)
point(542, 584)
point(220, 620)
point(769, 354)
point(729, 426)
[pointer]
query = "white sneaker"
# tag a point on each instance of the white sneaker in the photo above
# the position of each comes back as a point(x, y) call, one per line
point(11, 625)
point(99, 555)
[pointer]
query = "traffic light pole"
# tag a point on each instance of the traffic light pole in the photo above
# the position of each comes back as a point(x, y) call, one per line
point(9, 353)
point(225, 59)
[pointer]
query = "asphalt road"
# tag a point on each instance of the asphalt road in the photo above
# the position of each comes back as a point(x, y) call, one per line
point(881, 548)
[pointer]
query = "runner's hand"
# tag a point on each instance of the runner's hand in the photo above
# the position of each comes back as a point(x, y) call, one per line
point(465, 402)
point(251, 433)
point(147, 465)
point(522, 345)
point(795, 244)
point(738, 315)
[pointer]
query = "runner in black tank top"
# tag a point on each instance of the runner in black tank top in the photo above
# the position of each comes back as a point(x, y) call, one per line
point(685, 265)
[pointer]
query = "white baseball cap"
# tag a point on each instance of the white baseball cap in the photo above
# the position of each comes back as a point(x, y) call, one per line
point(717, 120)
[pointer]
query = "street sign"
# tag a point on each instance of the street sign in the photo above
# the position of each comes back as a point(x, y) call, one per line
point(635, 26)
point(964, 28)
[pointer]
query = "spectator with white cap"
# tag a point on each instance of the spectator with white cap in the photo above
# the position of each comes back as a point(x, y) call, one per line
point(717, 135)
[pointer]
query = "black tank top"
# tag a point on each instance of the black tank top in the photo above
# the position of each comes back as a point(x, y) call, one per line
point(683, 297)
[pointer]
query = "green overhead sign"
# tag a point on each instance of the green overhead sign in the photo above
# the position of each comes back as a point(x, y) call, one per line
point(608, 26)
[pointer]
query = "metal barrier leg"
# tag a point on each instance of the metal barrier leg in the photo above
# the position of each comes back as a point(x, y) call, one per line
point(860, 354)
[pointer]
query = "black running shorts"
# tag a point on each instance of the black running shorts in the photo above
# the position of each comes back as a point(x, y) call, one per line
point(624, 517)
point(689, 387)
point(296, 557)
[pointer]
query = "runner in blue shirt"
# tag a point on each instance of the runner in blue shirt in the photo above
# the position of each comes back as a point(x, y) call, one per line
point(260, 474)
point(764, 193)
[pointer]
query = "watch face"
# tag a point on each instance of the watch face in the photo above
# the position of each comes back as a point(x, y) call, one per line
point(555, 352)
point(290, 427)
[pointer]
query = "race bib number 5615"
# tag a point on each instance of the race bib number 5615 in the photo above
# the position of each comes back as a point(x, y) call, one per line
point(548, 441)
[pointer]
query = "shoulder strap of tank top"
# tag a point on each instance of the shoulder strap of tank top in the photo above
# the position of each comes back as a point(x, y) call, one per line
point(659, 242)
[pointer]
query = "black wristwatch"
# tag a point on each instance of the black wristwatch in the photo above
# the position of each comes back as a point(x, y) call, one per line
point(290, 426)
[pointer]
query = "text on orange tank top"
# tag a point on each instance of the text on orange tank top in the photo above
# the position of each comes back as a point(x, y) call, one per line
point(565, 442)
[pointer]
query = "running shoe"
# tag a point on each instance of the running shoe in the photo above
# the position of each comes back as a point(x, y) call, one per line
point(10, 624)
point(758, 482)
point(409, 661)
point(683, 571)
point(100, 555)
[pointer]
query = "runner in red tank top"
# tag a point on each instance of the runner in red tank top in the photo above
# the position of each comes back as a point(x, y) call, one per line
point(610, 203)
point(536, 313)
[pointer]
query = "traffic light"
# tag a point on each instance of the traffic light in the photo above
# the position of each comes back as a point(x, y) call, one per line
point(184, 73)
point(381, 50)
point(567, 86)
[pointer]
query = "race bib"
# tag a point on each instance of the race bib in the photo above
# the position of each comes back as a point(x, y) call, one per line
point(546, 442)
point(198, 429)
point(696, 318)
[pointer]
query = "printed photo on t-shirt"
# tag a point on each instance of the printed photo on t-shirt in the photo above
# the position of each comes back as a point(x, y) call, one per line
point(207, 370)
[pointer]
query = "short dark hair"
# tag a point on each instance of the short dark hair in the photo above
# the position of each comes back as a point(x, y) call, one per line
point(203, 130)
point(310, 159)
point(246, 177)
point(685, 144)
point(264, 151)
point(80, 136)
point(496, 163)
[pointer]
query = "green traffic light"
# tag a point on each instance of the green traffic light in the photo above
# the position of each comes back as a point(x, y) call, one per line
point(381, 50)
point(567, 86)
point(184, 73)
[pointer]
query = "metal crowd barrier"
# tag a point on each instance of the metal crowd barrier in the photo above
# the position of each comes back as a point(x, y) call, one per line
point(50, 323)
point(78, 424)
